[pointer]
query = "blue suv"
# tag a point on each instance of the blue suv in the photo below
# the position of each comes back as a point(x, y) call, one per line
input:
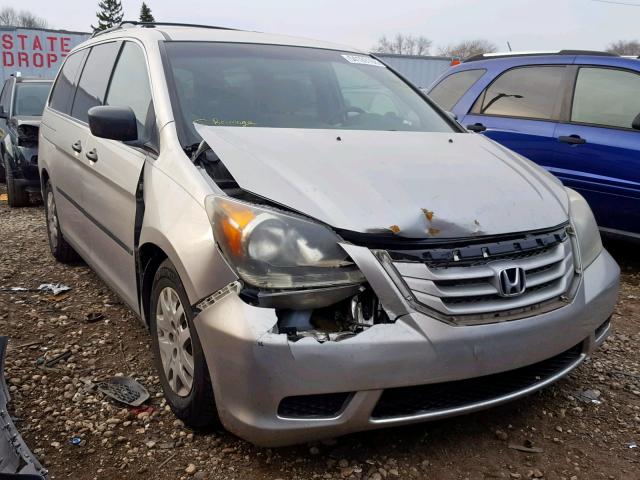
point(576, 113)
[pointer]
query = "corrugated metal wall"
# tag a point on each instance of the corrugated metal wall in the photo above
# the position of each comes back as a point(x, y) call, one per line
point(35, 52)
point(421, 71)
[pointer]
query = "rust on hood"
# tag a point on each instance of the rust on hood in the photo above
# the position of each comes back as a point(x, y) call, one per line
point(444, 228)
point(395, 229)
point(428, 213)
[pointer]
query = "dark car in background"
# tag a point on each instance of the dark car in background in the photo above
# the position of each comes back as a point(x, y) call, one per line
point(575, 113)
point(21, 104)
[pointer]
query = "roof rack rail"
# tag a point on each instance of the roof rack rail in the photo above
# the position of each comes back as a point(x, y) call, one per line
point(486, 56)
point(134, 23)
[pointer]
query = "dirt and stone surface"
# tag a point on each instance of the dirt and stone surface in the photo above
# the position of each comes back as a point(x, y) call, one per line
point(570, 436)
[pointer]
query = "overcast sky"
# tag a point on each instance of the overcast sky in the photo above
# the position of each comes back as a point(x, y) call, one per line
point(527, 24)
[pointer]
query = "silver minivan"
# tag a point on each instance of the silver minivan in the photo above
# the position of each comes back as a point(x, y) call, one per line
point(315, 247)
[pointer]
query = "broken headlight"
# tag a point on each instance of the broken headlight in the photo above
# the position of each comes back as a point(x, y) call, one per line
point(584, 224)
point(278, 250)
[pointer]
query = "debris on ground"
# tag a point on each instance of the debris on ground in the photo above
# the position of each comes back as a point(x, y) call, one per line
point(94, 317)
point(143, 409)
point(16, 460)
point(589, 396)
point(54, 288)
point(125, 390)
point(527, 447)
point(57, 359)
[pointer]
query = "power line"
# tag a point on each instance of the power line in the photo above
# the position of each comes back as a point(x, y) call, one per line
point(618, 3)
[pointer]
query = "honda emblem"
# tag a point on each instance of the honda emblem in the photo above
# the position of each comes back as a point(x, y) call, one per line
point(511, 282)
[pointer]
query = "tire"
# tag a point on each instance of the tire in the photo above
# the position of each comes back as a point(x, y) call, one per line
point(177, 349)
point(17, 196)
point(60, 249)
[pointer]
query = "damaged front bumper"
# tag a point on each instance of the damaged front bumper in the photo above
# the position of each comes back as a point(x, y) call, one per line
point(274, 391)
point(16, 461)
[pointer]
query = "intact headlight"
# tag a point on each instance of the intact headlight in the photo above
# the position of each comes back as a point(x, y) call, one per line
point(586, 228)
point(273, 249)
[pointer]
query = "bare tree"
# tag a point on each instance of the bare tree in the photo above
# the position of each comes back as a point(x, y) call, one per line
point(403, 45)
point(10, 17)
point(625, 47)
point(467, 48)
point(30, 20)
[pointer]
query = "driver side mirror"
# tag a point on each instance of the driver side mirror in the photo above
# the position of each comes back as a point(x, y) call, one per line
point(114, 123)
point(636, 123)
point(452, 115)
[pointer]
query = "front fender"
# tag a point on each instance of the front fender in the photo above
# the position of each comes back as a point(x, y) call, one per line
point(8, 153)
point(176, 223)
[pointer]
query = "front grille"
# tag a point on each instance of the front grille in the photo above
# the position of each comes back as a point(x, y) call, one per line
point(441, 397)
point(488, 298)
point(470, 289)
point(325, 405)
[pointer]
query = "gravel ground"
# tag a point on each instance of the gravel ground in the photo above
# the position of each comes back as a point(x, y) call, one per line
point(572, 439)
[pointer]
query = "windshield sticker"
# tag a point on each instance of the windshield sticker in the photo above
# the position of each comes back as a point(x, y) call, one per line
point(362, 60)
point(216, 122)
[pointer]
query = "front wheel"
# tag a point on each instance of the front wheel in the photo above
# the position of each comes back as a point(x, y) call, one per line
point(178, 354)
point(17, 196)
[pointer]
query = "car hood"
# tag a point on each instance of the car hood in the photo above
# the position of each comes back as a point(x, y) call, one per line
point(415, 184)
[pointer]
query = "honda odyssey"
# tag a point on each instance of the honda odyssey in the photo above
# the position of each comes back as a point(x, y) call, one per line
point(315, 247)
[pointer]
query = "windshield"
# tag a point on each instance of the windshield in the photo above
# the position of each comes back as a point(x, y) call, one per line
point(30, 98)
point(250, 85)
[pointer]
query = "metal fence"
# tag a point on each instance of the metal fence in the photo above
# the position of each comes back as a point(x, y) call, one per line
point(420, 70)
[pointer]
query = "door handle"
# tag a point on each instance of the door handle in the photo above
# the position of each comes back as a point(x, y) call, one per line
point(92, 155)
point(476, 127)
point(77, 146)
point(572, 139)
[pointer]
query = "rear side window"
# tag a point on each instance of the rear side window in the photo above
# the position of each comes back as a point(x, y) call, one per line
point(451, 89)
point(94, 79)
point(605, 96)
point(62, 93)
point(527, 92)
point(130, 88)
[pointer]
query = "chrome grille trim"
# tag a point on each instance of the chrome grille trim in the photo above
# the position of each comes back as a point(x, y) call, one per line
point(473, 290)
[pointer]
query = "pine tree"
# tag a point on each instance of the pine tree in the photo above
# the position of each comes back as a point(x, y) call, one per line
point(110, 14)
point(145, 14)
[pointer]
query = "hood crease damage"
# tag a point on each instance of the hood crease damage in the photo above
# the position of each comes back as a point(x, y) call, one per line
point(412, 184)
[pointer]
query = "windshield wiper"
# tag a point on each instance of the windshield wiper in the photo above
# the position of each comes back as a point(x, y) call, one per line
point(190, 150)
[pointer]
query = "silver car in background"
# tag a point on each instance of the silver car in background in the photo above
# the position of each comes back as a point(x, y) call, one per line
point(315, 247)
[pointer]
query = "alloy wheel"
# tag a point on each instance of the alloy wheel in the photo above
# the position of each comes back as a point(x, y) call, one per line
point(174, 341)
point(52, 220)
